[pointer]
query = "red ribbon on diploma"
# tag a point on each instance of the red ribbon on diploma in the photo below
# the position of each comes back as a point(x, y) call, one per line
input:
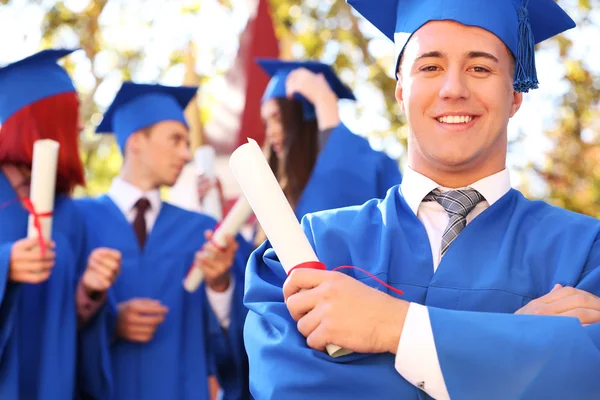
point(28, 205)
point(310, 265)
point(319, 265)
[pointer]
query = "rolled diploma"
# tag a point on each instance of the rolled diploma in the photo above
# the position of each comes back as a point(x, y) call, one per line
point(231, 225)
point(273, 212)
point(193, 279)
point(233, 222)
point(204, 158)
point(43, 183)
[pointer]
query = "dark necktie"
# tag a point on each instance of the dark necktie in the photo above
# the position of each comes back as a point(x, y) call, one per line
point(458, 204)
point(139, 223)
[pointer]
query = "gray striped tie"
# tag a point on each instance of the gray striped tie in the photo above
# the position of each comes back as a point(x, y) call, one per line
point(458, 204)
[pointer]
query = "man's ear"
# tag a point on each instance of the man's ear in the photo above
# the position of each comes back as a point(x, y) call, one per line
point(399, 91)
point(134, 141)
point(517, 100)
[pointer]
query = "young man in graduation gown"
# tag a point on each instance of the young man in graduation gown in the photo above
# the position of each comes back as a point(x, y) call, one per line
point(39, 280)
point(164, 341)
point(312, 151)
point(499, 293)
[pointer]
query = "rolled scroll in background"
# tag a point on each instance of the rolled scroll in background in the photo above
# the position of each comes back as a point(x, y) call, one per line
point(230, 226)
point(204, 157)
point(42, 192)
point(233, 222)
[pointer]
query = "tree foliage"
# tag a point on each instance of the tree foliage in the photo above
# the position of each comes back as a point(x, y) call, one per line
point(571, 170)
point(329, 30)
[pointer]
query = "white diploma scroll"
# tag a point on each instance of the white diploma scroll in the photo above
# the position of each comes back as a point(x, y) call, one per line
point(233, 222)
point(204, 157)
point(193, 279)
point(43, 183)
point(273, 212)
point(231, 226)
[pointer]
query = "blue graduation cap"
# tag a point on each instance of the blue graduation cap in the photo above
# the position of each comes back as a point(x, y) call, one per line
point(279, 71)
point(31, 79)
point(520, 24)
point(137, 106)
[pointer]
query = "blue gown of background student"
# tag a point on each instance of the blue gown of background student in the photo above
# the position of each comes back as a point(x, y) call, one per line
point(186, 347)
point(512, 253)
point(38, 323)
point(347, 172)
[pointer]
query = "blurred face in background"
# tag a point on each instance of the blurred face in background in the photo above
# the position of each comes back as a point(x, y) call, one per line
point(271, 116)
point(162, 151)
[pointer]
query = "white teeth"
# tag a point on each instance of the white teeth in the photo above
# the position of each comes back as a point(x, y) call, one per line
point(455, 119)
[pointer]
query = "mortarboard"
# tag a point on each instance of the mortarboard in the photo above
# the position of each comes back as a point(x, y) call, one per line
point(137, 106)
point(32, 79)
point(520, 24)
point(279, 71)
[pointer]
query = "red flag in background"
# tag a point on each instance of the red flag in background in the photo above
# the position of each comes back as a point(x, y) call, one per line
point(237, 117)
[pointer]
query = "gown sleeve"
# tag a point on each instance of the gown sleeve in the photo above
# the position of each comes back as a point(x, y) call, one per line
point(8, 295)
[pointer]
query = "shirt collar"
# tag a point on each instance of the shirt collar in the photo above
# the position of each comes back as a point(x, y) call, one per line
point(125, 195)
point(415, 187)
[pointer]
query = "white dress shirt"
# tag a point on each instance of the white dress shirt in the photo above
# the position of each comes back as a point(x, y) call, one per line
point(125, 196)
point(416, 359)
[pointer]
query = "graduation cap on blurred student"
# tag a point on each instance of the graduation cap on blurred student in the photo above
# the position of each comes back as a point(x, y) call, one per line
point(279, 71)
point(520, 24)
point(137, 106)
point(31, 79)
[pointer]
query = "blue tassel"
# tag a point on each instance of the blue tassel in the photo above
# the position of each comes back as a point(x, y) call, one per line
point(525, 72)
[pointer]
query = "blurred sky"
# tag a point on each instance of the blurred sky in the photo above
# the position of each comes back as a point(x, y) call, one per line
point(215, 30)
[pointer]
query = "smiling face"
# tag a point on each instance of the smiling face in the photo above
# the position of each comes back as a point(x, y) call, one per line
point(455, 86)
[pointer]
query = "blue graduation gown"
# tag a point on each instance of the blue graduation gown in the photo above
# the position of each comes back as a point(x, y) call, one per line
point(38, 323)
point(348, 172)
point(227, 348)
point(512, 253)
point(178, 360)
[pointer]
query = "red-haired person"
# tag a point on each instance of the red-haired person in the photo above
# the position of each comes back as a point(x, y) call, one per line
point(38, 316)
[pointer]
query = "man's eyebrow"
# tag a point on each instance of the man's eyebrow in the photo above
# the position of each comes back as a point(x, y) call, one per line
point(483, 54)
point(431, 54)
point(471, 54)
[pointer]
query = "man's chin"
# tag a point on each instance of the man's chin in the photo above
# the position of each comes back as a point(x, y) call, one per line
point(169, 182)
point(455, 161)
